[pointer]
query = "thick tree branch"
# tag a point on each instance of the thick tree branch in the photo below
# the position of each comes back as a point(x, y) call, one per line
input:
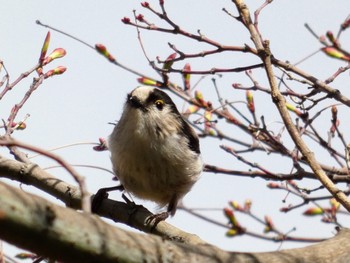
point(85, 196)
point(26, 220)
point(32, 174)
point(133, 216)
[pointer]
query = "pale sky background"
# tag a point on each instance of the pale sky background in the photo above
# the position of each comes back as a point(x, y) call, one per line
point(77, 106)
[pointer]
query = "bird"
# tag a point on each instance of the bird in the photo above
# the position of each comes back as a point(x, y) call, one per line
point(155, 153)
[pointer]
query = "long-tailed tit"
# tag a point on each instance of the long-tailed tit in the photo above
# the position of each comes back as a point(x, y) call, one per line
point(154, 151)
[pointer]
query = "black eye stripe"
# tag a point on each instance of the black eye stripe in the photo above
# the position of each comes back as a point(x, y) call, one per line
point(157, 94)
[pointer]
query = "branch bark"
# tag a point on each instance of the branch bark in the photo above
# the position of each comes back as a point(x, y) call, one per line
point(133, 216)
point(33, 223)
point(62, 233)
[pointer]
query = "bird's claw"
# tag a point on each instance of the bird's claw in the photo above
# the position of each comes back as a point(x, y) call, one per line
point(155, 219)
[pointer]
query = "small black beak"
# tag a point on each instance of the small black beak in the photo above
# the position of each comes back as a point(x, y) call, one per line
point(134, 102)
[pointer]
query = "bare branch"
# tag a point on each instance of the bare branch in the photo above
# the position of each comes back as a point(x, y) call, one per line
point(265, 54)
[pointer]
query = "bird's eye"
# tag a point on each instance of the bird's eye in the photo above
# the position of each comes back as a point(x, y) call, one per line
point(159, 104)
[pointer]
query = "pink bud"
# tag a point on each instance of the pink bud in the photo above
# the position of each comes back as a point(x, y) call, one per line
point(199, 98)
point(334, 112)
point(335, 53)
point(100, 48)
point(57, 71)
point(169, 61)
point(250, 101)
point(57, 53)
point(19, 126)
point(273, 185)
point(44, 48)
point(313, 211)
point(149, 82)
point(187, 76)
point(236, 205)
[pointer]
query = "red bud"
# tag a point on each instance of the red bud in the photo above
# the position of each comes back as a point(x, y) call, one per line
point(102, 146)
point(126, 20)
point(346, 24)
point(140, 18)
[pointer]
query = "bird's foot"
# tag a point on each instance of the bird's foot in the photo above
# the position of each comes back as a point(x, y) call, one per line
point(155, 219)
point(101, 195)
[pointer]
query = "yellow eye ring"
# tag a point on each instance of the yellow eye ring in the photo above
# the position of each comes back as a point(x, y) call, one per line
point(159, 104)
